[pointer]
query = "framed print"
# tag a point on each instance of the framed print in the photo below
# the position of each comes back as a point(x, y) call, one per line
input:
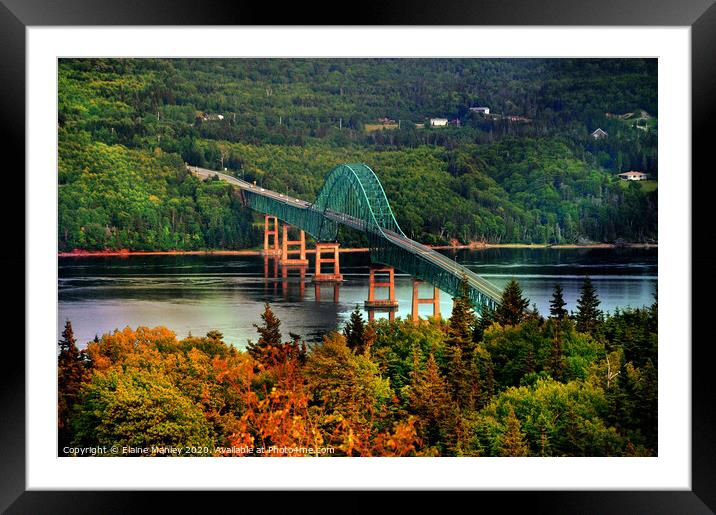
point(229, 224)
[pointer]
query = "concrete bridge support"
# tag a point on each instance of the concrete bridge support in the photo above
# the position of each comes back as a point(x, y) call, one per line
point(323, 275)
point(271, 230)
point(301, 260)
point(435, 301)
point(390, 302)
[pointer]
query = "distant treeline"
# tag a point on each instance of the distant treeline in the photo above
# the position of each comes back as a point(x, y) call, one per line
point(285, 123)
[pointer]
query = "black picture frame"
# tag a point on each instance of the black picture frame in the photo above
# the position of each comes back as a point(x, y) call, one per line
point(700, 15)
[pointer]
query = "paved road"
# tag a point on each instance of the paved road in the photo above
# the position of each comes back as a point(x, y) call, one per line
point(399, 240)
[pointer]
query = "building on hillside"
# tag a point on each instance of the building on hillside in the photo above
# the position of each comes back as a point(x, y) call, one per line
point(212, 117)
point(633, 176)
point(438, 122)
point(483, 110)
point(599, 133)
point(514, 118)
point(386, 121)
point(456, 122)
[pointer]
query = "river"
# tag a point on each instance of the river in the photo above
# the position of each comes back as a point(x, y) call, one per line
point(197, 293)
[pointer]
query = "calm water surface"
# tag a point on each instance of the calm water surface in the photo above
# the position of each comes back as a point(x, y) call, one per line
point(199, 293)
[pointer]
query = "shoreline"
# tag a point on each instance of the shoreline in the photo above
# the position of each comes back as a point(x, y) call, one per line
point(249, 252)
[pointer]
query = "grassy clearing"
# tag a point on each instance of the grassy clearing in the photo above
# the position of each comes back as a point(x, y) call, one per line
point(370, 127)
point(646, 186)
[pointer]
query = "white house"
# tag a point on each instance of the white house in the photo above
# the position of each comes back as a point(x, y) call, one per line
point(599, 133)
point(633, 176)
point(483, 110)
point(438, 122)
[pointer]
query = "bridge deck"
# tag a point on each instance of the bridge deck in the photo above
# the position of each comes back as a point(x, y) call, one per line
point(435, 258)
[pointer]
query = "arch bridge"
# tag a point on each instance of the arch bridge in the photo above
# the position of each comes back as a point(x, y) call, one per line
point(353, 196)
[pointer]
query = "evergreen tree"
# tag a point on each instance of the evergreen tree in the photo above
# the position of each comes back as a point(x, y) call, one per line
point(557, 304)
point(270, 336)
point(461, 346)
point(512, 441)
point(486, 319)
point(296, 349)
point(588, 313)
point(215, 335)
point(431, 403)
point(462, 319)
point(647, 405)
point(555, 364)
point(71, 374)
point(620, 399)
point(354, 332)
point(463, 379)
point(513, 309)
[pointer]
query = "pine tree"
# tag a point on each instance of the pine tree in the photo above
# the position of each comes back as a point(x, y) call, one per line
point(270, 336)
point(486, 319)
point(557, 304)
point(71, 374)
point(461, 346)
point(215, 334)
point(513, 309)
point(430, 401)
point(462, 319)
point(647, 406)
point(555, 364)
point(462, 379)
point(512, 441)
point(620, 399)
point(354, 332)
point(588, 313)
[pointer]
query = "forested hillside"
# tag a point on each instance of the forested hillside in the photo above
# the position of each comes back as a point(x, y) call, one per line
point(528, 172)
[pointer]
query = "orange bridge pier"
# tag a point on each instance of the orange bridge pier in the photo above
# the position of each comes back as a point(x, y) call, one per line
point(280, 250)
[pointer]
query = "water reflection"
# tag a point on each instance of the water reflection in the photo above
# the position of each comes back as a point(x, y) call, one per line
point(199, 293)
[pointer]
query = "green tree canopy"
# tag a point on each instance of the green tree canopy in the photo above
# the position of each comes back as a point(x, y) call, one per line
point(139, 409)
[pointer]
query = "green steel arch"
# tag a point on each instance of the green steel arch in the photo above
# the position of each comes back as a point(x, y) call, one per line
point(354, 190)
point(353, 196)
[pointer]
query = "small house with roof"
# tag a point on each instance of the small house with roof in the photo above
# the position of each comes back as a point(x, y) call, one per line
point(633, 176)
point(599, 133)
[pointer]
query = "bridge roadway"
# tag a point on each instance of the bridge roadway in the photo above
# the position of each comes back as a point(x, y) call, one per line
point(427, 253)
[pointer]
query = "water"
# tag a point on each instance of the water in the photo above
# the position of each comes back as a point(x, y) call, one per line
point(199, 293)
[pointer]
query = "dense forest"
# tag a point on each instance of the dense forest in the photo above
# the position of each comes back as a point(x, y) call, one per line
point(509, 383)
point(529, 171)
